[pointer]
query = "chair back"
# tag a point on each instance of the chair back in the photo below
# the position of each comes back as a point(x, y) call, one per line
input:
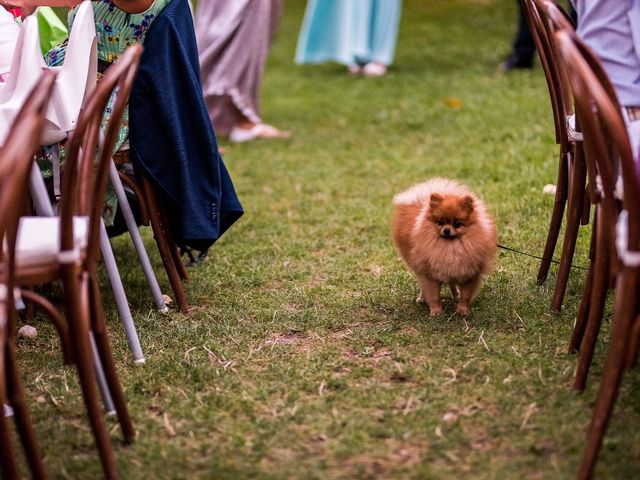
point(85, 178)
point(556, 19)
point(606, 139)
point(558, 92)
point(76, 79)
point(16, 159)
point(26, 67)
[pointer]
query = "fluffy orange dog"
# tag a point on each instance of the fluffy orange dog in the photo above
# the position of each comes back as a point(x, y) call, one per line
point(445, 234)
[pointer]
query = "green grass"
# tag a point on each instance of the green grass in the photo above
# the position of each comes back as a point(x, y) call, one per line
point(304, 355)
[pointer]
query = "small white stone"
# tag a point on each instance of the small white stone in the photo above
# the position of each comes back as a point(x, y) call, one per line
point(27, 331)
point(549, 189)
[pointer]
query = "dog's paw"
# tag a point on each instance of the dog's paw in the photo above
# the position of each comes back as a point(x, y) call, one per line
point(420, 299)
point(435, 312)
point(462, 310)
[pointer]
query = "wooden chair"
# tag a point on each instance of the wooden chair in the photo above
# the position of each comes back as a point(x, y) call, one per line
point(605, 129)
point(153, 213)
point(66, 248)
point(603, 265)
point(16, 159)
point(571, 177)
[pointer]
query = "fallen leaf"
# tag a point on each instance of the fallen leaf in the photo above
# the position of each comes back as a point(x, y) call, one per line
point(453, 102)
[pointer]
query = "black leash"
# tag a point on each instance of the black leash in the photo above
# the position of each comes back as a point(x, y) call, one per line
point(537, 257)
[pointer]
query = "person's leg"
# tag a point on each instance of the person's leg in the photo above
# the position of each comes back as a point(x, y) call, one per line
point(523, 46)
point(385, 20)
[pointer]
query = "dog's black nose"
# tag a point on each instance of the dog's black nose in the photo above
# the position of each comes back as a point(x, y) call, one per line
point(447, 232)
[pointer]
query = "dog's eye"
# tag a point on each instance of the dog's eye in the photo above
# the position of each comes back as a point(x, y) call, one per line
point(457, 224)
point(441, 222)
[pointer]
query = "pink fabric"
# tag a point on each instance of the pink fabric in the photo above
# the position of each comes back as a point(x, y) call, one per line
point(234, 37)
point(9, 30)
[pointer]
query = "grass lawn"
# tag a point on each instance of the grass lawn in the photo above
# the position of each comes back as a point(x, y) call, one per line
point(305, 355)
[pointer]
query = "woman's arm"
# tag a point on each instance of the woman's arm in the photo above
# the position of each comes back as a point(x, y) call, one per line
point(133, 6)
point(30, 4)
point(129, 6)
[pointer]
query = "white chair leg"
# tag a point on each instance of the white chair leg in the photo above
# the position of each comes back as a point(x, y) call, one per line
point(44, 208)
point(39, 193)
point(102, 381)
point(123, 204)
point(120, 295)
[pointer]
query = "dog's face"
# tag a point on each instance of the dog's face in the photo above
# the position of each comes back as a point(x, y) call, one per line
point(451, 216)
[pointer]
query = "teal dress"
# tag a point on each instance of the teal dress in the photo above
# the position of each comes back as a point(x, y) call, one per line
point(349, 31)
point(115, 31)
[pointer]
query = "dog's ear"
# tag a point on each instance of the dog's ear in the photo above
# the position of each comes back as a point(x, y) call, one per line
point(467, 203)
point(435, 200)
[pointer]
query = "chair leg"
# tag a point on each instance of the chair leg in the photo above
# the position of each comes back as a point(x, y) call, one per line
point(574, 215)
point(108, 365)
point(634, 343)
point(127, 213)
point(598, 295)
point(164, 221)
point(583, 313)
point(585, 303)
point(22, 415)
point(173, 246)
point(625, 312)
point(586, 209)
point(120, 295)
point(58, 322)
point(77, 302)
point(8, 466)
point(163, 246)
point(556, 218)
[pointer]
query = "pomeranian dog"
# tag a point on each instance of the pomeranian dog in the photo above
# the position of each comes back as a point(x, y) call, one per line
point(445, 234)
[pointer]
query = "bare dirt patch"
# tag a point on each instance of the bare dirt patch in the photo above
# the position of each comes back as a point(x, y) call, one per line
point(287, 338)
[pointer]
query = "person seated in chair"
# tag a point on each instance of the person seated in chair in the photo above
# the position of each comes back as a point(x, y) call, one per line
point(171, 137)
point(612, 30)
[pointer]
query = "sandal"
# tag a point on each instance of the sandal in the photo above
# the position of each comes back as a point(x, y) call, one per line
point(373, 69)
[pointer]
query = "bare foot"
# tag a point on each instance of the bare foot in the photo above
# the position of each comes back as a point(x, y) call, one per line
point(240, 133)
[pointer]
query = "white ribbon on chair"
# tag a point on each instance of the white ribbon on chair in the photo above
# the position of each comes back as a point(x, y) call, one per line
point(628, 257)
point(9, 31)
point(26, 66)
point(76, 78)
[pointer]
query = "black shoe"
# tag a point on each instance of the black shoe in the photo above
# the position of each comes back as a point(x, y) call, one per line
point(514, 62)
point(193, 260)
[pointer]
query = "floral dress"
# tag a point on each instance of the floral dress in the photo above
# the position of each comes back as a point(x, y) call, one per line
point(115, 31)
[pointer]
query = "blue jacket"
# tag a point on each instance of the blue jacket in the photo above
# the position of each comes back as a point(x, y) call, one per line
point(171, 136)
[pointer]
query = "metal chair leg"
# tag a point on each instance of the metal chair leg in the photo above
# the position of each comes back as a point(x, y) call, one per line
point(123, 204)
point(120, 295)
